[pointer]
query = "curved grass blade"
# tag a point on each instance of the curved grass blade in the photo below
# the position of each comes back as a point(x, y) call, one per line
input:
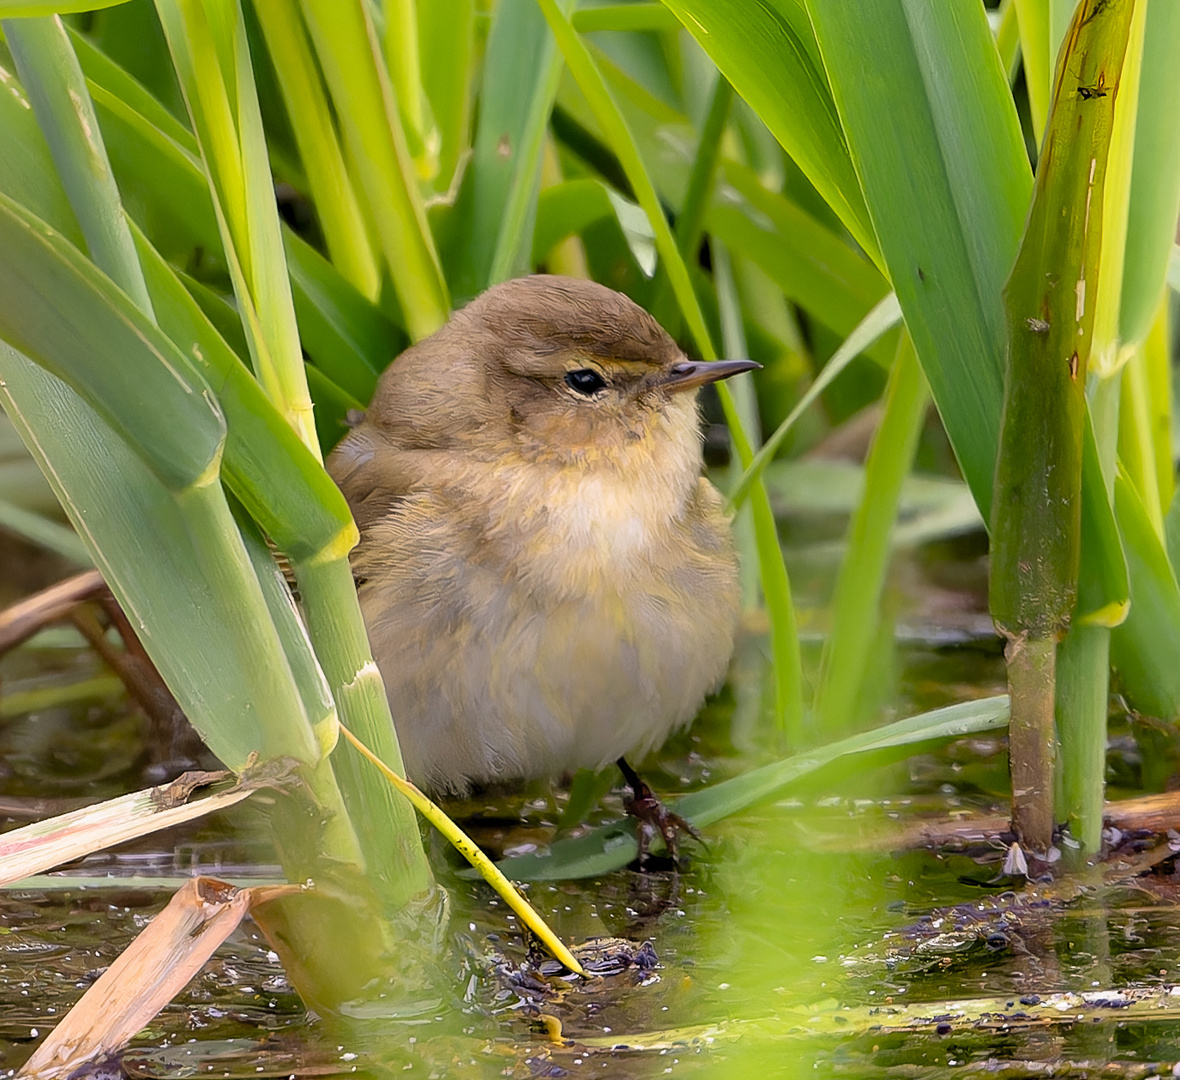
point(613, 846)
point(856, 602)
point(883, 317)
point(337, 207)
point(278, 480)
point(611, 120)
point(20, 9)
point(469, 849)
point(773, 578)
point(813, 265)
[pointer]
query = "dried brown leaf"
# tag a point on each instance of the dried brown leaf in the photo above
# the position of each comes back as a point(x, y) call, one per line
point(147, 975)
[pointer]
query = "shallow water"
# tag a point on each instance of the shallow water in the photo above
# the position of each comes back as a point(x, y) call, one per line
point(791, 941)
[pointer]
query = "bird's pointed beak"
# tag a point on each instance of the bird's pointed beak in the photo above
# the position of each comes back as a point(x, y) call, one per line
point(689, 374)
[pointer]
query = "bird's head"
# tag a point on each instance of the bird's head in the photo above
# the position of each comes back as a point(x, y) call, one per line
point(545, 367)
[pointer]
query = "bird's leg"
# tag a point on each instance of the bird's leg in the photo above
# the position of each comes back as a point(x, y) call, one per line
point(653, 816)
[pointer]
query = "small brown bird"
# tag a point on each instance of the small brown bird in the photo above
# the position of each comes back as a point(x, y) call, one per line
point(548, 581)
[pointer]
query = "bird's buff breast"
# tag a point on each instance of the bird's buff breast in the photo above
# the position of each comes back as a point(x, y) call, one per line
point(576, 618)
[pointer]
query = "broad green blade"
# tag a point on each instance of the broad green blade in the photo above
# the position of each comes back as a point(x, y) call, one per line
point(57, 307)
point(567, 209)
point(768, 53)
point(213, 643)
point(446, 38)
point(910, 78)
point(279, 481)
point(814, 267)
point(1143, 649)
point(53, 79)
point(521, 70)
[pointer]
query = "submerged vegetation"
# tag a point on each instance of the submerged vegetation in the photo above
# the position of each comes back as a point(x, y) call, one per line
point(884, 203)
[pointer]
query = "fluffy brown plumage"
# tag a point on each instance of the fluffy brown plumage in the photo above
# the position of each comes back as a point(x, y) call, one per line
point(547, 580)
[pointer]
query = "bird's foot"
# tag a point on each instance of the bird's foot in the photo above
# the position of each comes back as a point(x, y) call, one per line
point(654, 818)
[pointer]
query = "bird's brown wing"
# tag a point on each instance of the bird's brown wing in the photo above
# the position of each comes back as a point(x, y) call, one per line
point(373, 474)
point(377, 478)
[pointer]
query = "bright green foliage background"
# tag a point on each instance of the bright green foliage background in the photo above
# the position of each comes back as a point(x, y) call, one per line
point(837, 190)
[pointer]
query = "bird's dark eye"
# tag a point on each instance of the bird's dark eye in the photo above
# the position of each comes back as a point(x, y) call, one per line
point(585, 381)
